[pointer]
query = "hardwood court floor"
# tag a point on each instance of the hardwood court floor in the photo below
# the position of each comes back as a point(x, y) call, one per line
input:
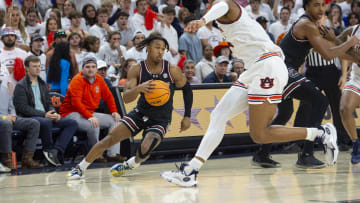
point(220, 181)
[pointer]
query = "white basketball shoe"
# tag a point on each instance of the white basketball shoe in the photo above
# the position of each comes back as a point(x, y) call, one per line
point(179, 177)
point(329, 139)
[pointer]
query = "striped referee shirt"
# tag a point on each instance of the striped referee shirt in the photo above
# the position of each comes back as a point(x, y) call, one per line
point(314, 59)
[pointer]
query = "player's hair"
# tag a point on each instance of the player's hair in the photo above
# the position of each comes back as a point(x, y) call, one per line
point(306, 2)
point(153, 36)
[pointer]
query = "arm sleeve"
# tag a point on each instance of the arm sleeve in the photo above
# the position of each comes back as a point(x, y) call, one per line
point(188, 99)
point(216, 11)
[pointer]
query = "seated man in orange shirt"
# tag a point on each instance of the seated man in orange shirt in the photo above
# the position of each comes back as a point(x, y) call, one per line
point(83, 97)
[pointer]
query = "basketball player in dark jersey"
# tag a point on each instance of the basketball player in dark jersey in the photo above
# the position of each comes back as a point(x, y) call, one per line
point(306, 33)
point(153, 120)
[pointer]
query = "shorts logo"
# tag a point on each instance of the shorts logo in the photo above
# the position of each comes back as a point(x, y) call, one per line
point(267, 83)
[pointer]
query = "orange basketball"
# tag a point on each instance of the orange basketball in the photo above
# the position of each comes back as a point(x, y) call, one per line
point(159, 95)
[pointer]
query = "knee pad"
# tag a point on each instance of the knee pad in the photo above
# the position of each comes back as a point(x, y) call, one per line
point(155, 140)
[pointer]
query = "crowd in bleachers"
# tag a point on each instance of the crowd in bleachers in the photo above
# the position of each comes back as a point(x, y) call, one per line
point(64, 33)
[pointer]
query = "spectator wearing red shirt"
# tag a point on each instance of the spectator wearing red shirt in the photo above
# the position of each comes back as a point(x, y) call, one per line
point(83, 97)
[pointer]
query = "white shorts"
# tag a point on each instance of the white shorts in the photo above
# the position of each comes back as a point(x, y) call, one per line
point(353, 85)
point(265, 79)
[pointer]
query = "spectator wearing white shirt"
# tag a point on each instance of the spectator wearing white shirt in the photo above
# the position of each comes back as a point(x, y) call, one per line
point(113, 54)
point(122, 25)
point(89, 16)
point(36, 44)
point(209, 34)
point(102, 29)
point(168, 31)
point(255, 10)
point(264, 9)
point(207, 63)
point(8, 55)
point(137, 21)
point(345, 7)
point(137, 53)
point(75, 19)
point(31, 22)
point(69, 6)
point(281, 27)
point(171, 3)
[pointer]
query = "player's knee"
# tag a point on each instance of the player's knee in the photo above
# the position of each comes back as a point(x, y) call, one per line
point(345, 111)
point(258, 136)
point(150, 142)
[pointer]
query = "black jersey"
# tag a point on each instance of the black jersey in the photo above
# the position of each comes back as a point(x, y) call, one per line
point(295, 50)
point(156, 112)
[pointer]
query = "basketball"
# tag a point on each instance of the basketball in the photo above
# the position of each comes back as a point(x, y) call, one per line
point(159, 95)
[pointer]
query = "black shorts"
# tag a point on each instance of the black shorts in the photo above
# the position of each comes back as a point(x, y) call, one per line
point(294, 81)
point(137, 121)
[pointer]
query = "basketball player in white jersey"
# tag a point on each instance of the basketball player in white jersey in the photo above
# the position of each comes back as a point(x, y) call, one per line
point(350, 99)
point(259, 89)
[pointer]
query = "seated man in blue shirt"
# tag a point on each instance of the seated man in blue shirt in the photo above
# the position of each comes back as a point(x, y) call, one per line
point(219, 74)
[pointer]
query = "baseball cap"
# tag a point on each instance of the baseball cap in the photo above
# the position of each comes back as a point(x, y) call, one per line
point(261, 19)
point(89, 59)
point(59, 33)
point(101, 64)
point(36, 36)
point(139, 32)
point(221, 59)
point(8, 31)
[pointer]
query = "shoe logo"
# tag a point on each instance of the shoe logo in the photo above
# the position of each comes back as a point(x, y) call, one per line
point(186, 179)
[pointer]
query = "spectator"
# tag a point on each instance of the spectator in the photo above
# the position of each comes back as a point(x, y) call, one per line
point(238, 67)
point(74, 40)
point(353, 19)
point(167, 30)
point(137, 21)
point(75, 20)
point(31, 23)
point(108, 5)
point(189, 72)
point(206, 65)
point(101, 29)
point(57, 4)
point(32, 100)
point(113, 54)
point(8, 55)
point(183, 13)
point(281, 27)
point(26, 5)
point(14, 20)
point(345, 7)
point(263, 22)
point(189, 43)
point(51, 26)
point(89, 14)
point(91, 48)
point(122, 25)
point(254, 10)
point(102, 69)
point(59, 36)
point(172, 4)
point(10, 122)
point(209, 34)
point(82, 100)
point(36, 44)
point(138, 53)
point(219, 75)
point(69, 7)
point(124, 71)
point(62, 67)
point(334, 20)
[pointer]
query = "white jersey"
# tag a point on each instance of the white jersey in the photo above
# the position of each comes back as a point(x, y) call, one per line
point(248, 37)
point(355, 72)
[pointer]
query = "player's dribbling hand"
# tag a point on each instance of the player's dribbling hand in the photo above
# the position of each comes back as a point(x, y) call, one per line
point(146, 87)
point(194, 25)
point(185, 124)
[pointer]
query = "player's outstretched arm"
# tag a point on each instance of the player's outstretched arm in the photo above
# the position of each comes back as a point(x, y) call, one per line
point(181, 82)
point(321, 45)
point(132, 88)
point(218, 9)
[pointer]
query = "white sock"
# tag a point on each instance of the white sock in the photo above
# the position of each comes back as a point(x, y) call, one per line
point(313, 133)
point(84, 165)
point(132, 162)
point(194, 164)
